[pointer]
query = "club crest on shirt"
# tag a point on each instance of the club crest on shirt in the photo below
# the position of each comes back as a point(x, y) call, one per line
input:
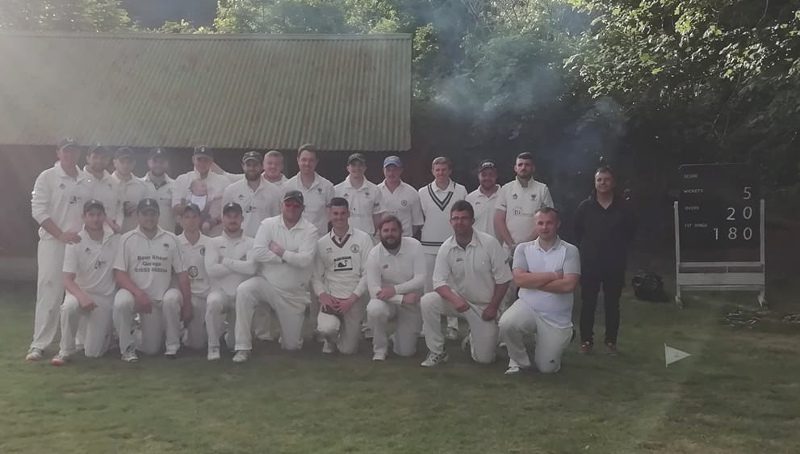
point(202, 251)
point(328, 250)
point(62, 186)
point(366, 193)
point(386, 266)
point(166, 245)
point(514, 196)
point(533, 197)
point(345, 195)
point(354, 249)
point(193, 272)
point(88, 250)
point(404, 203)
point(320, 191)
point(99, 264)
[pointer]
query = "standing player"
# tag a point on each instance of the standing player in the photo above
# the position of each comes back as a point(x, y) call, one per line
point(484, 199)
point(604, 228)
point(395, 279)
point(437, 198)
point(400, 199)
point(258, 198)
point(546, 270)
point(89, 281)
point(362, 195)
point(56, 204)
point(193, 249)
point(160, 187)
point(470, 280)
point(228, 266)
point(273, 168)
point(143, 270)
point(131, 189)
point(317, 191)
point(340, 280)
point(284, 247)
point(102, 186)
point(203, 159)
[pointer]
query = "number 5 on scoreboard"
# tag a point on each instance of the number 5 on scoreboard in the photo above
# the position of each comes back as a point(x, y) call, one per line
point(746, 193)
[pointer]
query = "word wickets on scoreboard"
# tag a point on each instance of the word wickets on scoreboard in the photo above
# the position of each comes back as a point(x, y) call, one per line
point(719, 223)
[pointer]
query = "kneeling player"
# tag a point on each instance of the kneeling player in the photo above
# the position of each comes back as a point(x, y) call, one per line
point(193, 249)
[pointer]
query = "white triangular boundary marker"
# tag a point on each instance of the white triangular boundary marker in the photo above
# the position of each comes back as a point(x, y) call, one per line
point(672, 355)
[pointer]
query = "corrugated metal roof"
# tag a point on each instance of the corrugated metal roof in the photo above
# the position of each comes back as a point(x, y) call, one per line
point(340, 92)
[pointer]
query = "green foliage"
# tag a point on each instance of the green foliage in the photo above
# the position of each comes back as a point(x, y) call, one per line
point(63, 15)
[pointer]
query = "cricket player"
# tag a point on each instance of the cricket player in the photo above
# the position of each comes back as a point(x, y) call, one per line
point(89, 281)
point(148, 259)
point(160, 187)
point(317, 191)
point(547, 271)
point(103, 187)
point(258, 198)
point(284, 247)
point(436, 200)
point(57, 206)
point(193, 246)
point(400, 199)
point(340, 281)
point(470, 280)
point(395, 280)
point(484, 199)
point(131, 189)
point(202, 159)
point(361, 194)
point(273, 168)
point(228, 265)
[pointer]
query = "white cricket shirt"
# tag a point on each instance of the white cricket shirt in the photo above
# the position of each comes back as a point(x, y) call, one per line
point(264, 202)
point(404, 270)
point(364, 202)
point(163, 195)
point(106, 190)
point(436, 204)
point(316, 199)
point(131, 192)
point(291, 272)
point(235, 266)
point(150, 262)
point(484, 207)
point(403, 203)
point(92, 262)
point(195, 261)
point(340, 265)
point(520, 204)
point(60, 198)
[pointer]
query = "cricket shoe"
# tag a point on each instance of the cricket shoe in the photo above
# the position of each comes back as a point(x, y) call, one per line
point(130, 357)
point(241, 356)
point(328, 347)
point(60, 359)
point(34, 354)
point(213, 354)
point(434, 359)
point(379, 356)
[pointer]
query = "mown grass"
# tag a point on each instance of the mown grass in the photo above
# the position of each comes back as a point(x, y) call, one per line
point(738, 393)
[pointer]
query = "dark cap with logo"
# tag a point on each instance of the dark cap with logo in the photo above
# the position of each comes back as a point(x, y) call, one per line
point(356, 157)
point(486, 164)
point(392, 161)
point(99, 149)
point(92, 204)
point(232, 207)
point(123, 152)
point(294, 195)
point(156, 153)
point(203, 150)
point(251, 156)
point(67, 142)
point(192, 207)
point(147, 205)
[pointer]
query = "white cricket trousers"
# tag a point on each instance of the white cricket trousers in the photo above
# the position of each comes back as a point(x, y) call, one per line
point(519, 321)
point(483, 334)
point(97, 322)
point(161, 327)
point(220, 307)
point(290, 307)
point(430, 263)
point(49, 292)
point(408, 325)
point(343, 330)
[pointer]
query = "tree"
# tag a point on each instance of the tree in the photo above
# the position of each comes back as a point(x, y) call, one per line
point(63, 15)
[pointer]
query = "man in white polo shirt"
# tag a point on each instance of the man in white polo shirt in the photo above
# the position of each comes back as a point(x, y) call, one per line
point(470, 280)
point(340, 280)
point(160, 187)
point(395, 280)
point(143, 269)
point(484, 199)
point(437, 198)
point(194, 246)
point(56, 204)
point(103, 186)
point(547, 271)
point(399, 198)
point(284, 247)
point(203, 159)
point(362, 195)
point(258, 198)
point(273, 168)
point(227, 265)
point(89, 280)
point(317, 191)
point(131, 189)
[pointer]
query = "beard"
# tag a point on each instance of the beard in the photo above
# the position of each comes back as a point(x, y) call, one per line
point(252, 177)
point(390, 243)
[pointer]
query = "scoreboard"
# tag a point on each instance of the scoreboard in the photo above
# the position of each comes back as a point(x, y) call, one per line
point(719, 213)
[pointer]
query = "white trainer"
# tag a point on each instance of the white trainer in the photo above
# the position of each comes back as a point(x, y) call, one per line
point(213, 354)
point(34, 354)
point(434, 359)
point(241, 356)
point(379, 356)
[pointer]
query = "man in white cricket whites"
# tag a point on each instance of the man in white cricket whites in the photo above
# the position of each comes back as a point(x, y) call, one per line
point(273, 168)
point(484, 199)
point(470, 280)
point(400, 199)
point(57, 206)
point(228, 265)
point(258, 198)
point(131, 189)
point(284, 247)
point(89, 281)
point(160, 187)
point(340, 281)
point(143, 269)
point(361, 194)
point(395, 280)
point(194, 246)
point(317, 191)
point(102, 186)
point(437, 198)
point(203, 159)
point(547, 271)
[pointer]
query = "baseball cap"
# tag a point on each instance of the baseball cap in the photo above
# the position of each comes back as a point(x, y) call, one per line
point(356, 157)
point(100, 149)
point(92, 204)
point(148, 205)
point(392, 161)
point(486, 164)
point(232, 206)
point(157, 153)
point(192, 207)
point(294, 195)
point(67, 142)
point(123, 152)
point(203, 150)
point(251, 155)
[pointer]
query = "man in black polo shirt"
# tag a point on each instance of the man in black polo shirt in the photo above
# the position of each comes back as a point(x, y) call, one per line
point(604, 227)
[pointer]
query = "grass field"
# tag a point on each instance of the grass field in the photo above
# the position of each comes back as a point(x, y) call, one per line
point(738, 393)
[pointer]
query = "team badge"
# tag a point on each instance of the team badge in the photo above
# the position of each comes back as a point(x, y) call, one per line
point(343, 264)
point(533, 197)
point(404, 203)
point(514, 197)
point(241, 196)
point(166, 245)
point(366, 193)
point(319, 190)
point(346, 195)
point(202, 251)
point(193, 272)
point(99, 264)
point(88, 250)
point(354, 249)
point(328, 250)
point(62, 186)
point(386, 266)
